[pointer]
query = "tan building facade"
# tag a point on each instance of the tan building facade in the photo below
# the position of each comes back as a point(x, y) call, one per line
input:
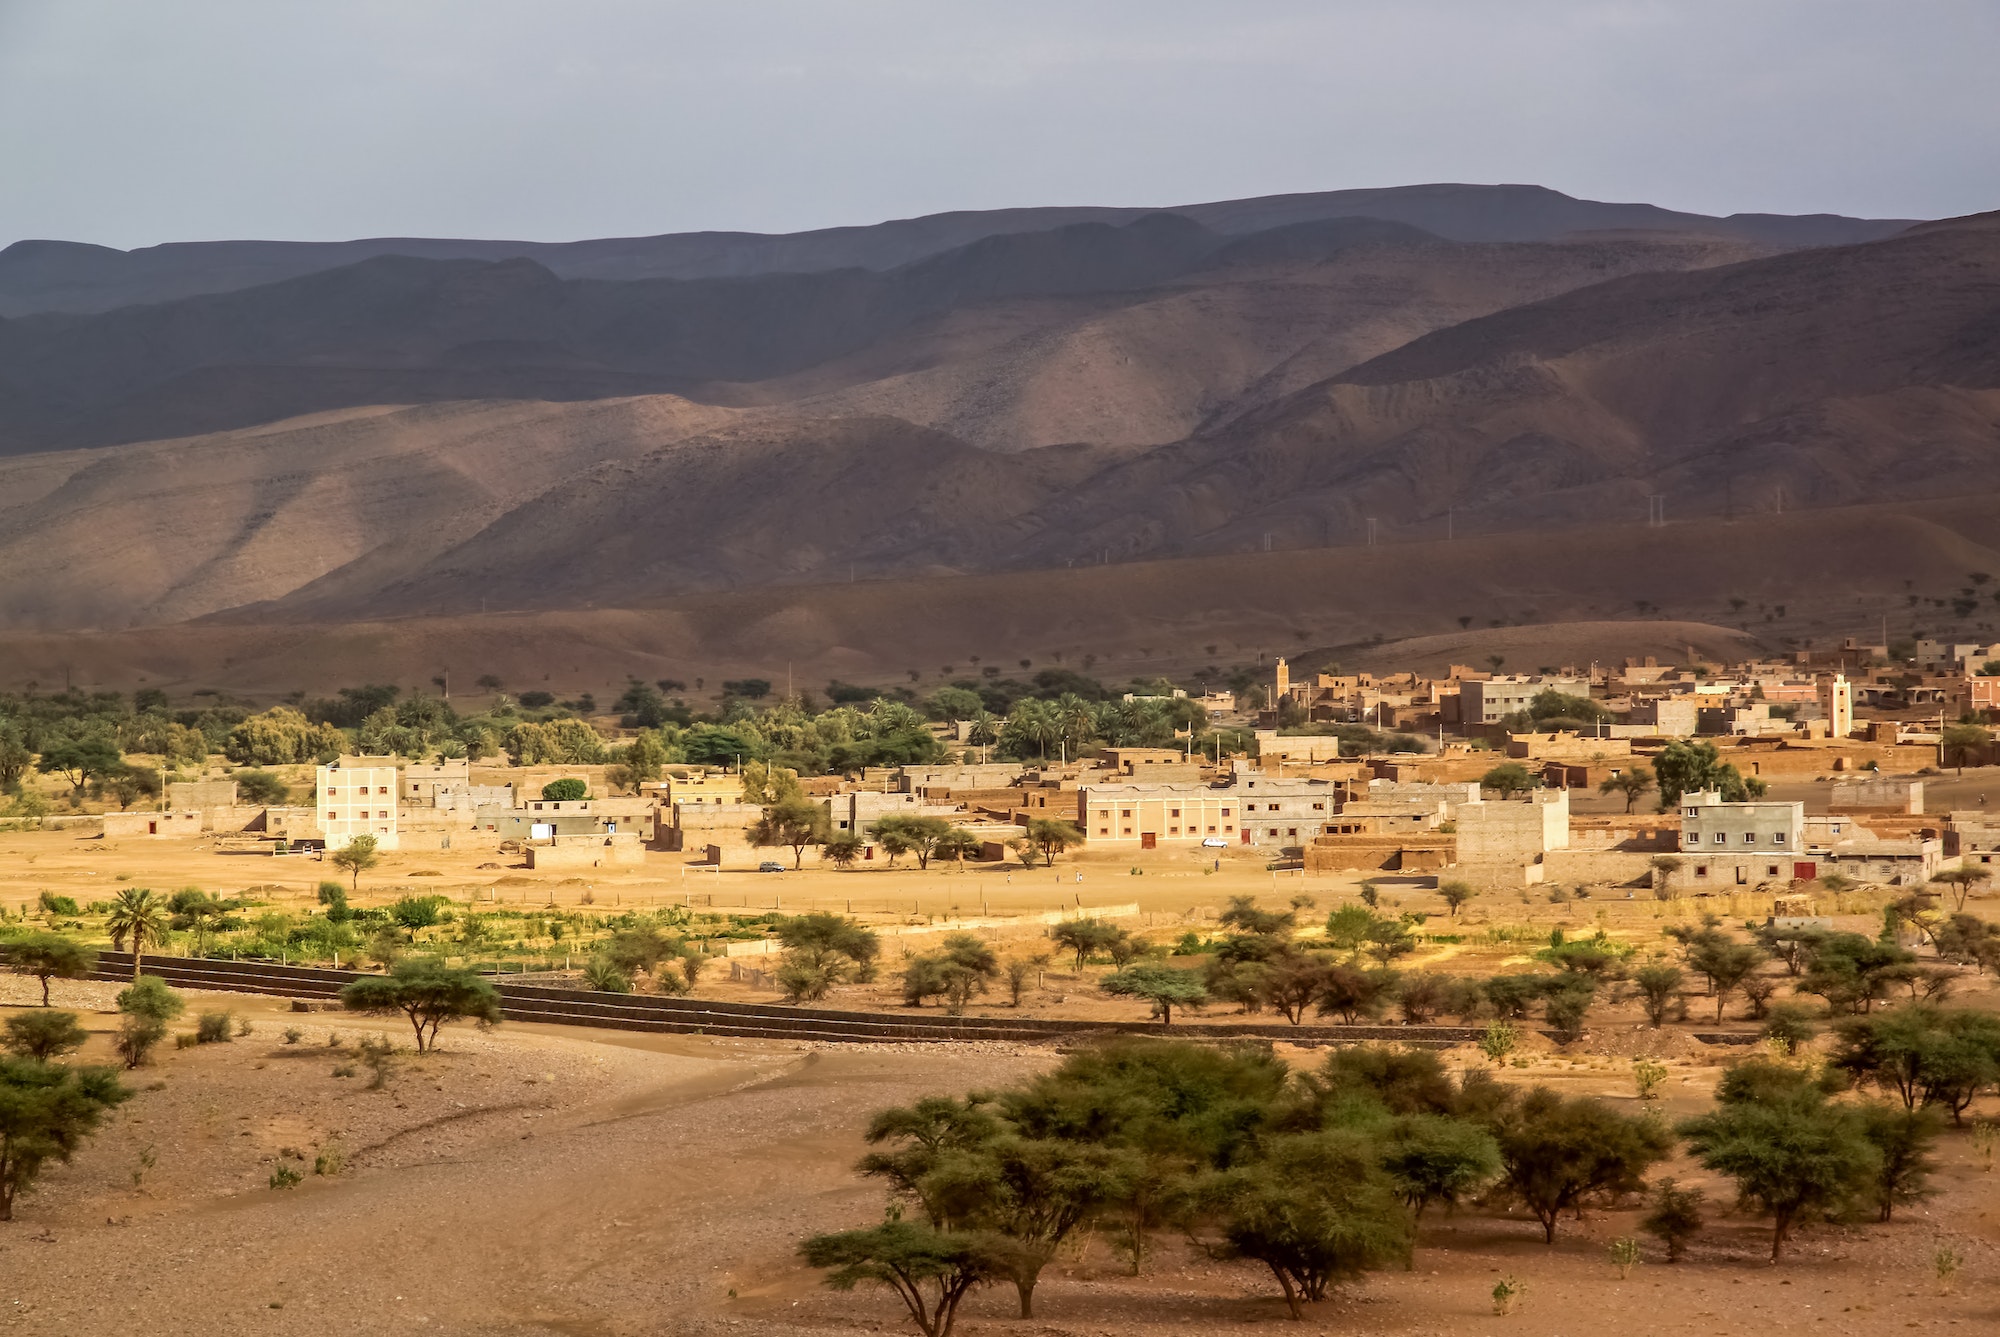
point(358, 796)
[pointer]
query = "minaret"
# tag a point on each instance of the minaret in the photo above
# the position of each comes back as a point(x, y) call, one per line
point(1284, 681)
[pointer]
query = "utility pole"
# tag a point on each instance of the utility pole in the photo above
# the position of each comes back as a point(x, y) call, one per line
point(1656, 510)
point(1371, 531)
point(1448, 524)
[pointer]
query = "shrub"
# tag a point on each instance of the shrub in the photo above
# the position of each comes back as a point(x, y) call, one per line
point(569, 789)
point(285, 1177)
point(136, 1038)
point(379, 1055)
point(330, 1161)
point(185, 1040)
point(53, 904)
point(1675, 1217)
point(1790, 1024)
point(213, 1028)
point(43, 1035)
point(293, 1035)
point(418, 911)
point(602, 974)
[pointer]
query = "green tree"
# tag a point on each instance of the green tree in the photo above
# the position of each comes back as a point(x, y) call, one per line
point(1455, 894)
point(1727, 964)
point(147, 1006)
point(822, 950)
point(1790, 1152)
point(44, 1036)
point(1316, 1209)
point(1962, 740)
point(1433, 1158)
point(426, 991)
point(1633, 782)
point(49, 956)
point(797, 822)
point(958, 845)
point(356, 857)
point(568, 789)
point(1162, 986)
point(1675, 1218)
point(81, 760)
point(1659, 987)
point(1086, 937)
point(262, 787)
point(1961, 881)
point(1903, 1140)
point(1685, 766)
point(137, 917)
point(1508, 779)
point(1560, 1154)
point(1926, 1055)
point(962, 967)
point(931, 1271)
point(912, 835)
point(1051, 837)
point(1851, 972)
point(46, 1112)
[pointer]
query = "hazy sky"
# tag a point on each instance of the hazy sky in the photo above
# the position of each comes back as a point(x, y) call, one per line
point(129, 122)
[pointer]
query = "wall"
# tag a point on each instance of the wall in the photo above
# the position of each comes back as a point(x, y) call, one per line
point(611, 851)
point(160, 825)
point(188, 795)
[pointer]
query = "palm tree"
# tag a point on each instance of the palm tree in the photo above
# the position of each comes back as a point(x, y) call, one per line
point(139, 915)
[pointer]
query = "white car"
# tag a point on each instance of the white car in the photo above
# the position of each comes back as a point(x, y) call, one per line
point(1214, 843)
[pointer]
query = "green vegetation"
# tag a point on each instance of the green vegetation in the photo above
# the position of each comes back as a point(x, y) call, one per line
point(49, 956)
point(46, 1112)
point(356, 857)
point(427, 992)
point(569, 789)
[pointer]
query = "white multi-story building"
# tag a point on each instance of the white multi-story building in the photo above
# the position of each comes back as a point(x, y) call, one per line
point(1253, 809)
point(359, 796)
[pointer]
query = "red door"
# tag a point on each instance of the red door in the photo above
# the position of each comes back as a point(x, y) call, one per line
point(1805, 872)
point(1148, 840)
point(1246, 835)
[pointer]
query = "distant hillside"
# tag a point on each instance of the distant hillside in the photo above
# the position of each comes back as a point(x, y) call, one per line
point(67, 276)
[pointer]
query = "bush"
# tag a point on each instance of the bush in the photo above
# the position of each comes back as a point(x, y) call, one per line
point(286, 1177)
point(43, 1035)
point(293, 1035)
point(1675, 1217)
point(53, 904)
point(1790, 1024)
point(213, 1028)
point(569, 789)
point(418, 911)
point(262, 788)
point(603, 975)
point(136, 1038)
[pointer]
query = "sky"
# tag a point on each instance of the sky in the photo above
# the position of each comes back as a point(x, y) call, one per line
point(131, 122)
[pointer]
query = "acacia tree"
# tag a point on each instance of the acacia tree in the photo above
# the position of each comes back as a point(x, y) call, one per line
point(1508, 779)
point(49, 956)
point(1085, 937)
point(1162, 986)
point(1315, 1209)
point(1051, 837)
point(1727, 964)
point(930, 1270)
point(43, 1036)
point(1961, 881)
point(822, 950)
point(46, 1111)
point(797, 822)
point(1789, 1150)
point(1561, 1154)
point(357, 856)
point(1960, 740)
point(1633, 783)
point(428, 993)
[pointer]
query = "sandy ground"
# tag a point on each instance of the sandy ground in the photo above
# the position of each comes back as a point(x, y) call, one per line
point(531, 1180)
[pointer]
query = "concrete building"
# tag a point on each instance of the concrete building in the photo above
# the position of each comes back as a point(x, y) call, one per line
point(711, 787)
point(195, 795)
point(1274, 750)
point(358, 796)
point(119, 825)
point(1666, 716)
point(1485, 702)
point(857, 811)
point(423, 782)
point(1251, 810)
point(1506, 843)
point(1904, 796)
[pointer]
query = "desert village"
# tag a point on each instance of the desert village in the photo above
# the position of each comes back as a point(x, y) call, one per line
point(1298, 797)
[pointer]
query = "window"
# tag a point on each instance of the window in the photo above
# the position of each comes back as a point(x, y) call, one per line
point(381, 789)
point(1225, 813)
point(1227, 827)
point(1173, 812)
point(1128, 830)
point(1173, 830)
point(1125, 813)
point(1720, 838)
point(1694, 812)
point(331, 792)
point(1778, 839)
point(1274, 830)
point(1749, 837)
point(1291, 830)
point(1103, 830)
point(1701, 870)
point(1771, 870)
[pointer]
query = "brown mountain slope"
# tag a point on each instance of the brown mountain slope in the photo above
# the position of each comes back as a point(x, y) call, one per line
point(1258, 322)
point(1805, 576)
point(1837, 375)
point(177, 529)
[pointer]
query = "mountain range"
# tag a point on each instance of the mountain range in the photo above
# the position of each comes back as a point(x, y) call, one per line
point(264, 434)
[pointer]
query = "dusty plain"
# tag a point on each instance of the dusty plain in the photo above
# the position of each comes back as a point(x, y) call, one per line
point(545, 1180)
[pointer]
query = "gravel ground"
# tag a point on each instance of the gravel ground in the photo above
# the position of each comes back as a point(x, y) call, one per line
point(541, 1180)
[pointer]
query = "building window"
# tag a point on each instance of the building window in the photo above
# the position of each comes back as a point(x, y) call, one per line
point(1274, 830)
point(1103, 830)
point(1225, 812)
point(1128, 830)
point(1211, 829)
point(1720, 838)
point(1749, 838)
point(1125, 813)
point(1291, 830)
point(1173, 812)
point(1771, 870)
point(1778, 839)
point(1701, 870)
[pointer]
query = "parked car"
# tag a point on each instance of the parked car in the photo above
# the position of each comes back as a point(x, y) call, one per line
point(769, 866)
